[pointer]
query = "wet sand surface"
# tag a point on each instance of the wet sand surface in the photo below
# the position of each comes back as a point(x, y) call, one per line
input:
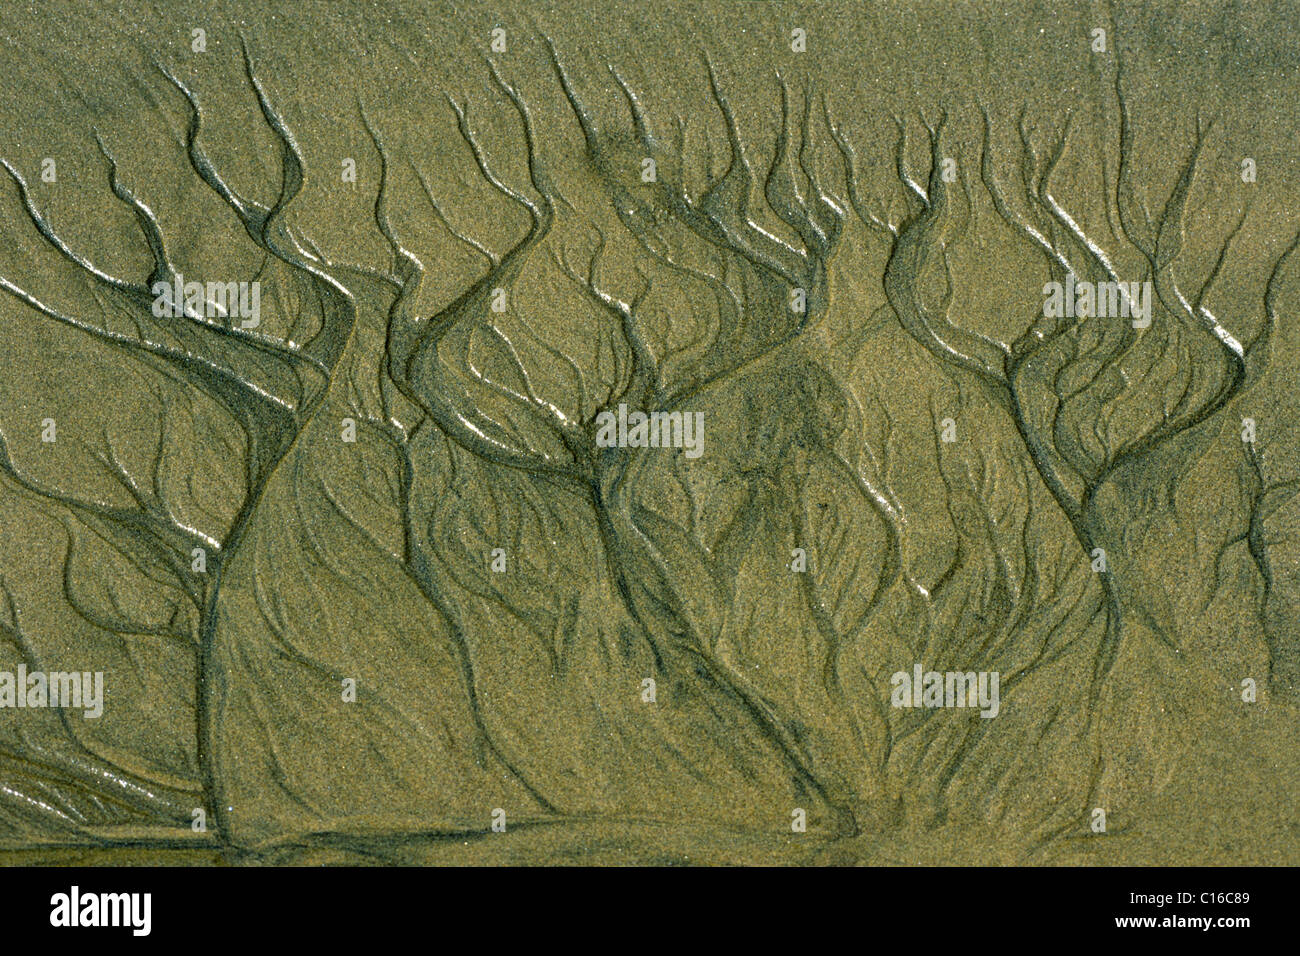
point(728, 432)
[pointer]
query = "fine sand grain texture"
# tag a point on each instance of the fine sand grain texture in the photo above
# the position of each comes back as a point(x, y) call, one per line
point(726, 432)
